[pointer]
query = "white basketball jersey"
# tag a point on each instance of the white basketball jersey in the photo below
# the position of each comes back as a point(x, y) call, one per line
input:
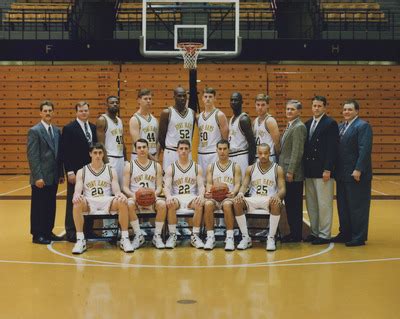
point(148, 128)
point(237, 139)
point(97, 184)
point(209, 132)
point(184, 181)
point(180, 127)
point(143, 176)
point(114, 143)
point(262, 134)
point(224, 175)
point(264, 182)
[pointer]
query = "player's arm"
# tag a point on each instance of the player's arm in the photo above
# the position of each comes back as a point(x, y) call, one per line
point(115, 186)
point(245, 125)
point(162, 133)
point(200, 186)
point(101, 129)
point(278, 197)
point(78, 197)
point(167, 186)
point(237, 180)
point(33, 153)
point(126, 182)
point(223, 125)
point(134, 130)
point(209, 181)
point(159, 180)
point(245, 184)
point(273, 129)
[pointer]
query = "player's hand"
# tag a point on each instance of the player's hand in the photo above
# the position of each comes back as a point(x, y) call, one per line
point(230, 195)
point(40, 183)
point(61, 180)
point(77, 198)
point(72, 178)
point(326, 176)
point(239, 198)
point(121, 197)
point(198, 201)
point(208, 195)
point(289, 177)
point(275, 200)
point(356, 175)
point(170, 201)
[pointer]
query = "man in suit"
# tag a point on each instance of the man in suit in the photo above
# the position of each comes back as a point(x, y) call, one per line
point(290, 159)
point(46, 173)
point(319, 158)
point(353, 177)
point(76, 139)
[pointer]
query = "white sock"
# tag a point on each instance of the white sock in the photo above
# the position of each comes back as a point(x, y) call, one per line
point(196, 230)
point(172, 229)
point(273, 224)
point(241, 221)
point(210, 233)
point(159, 226)
point(80, 235)
point(229, 233)
point(124, 234)
point(135, 226)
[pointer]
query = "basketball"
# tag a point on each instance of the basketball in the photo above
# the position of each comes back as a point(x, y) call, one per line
point(145, 197)
point(219, 191)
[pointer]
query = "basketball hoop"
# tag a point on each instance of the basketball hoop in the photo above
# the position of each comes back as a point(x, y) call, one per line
point(190, 52)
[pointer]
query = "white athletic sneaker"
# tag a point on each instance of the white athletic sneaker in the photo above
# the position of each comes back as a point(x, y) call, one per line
point(138, 241)
point(157, 242)
point(196, 241)
point(146, 229)
point(271, 244)
point(210, 243)
point(229, 244)
point(125, 245)
point(79, 247)
point(263, 233)
point(220, 232)
point(236, 232)
point(245, 243)
point(184, 228)
point(171, 241)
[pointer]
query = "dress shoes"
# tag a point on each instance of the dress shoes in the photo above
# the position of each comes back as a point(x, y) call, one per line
point(290, 239)
point(320, 241)
point(309, 239)
point(70, 237)
point(41, 240)
point(355, 243)
point(54, 237)
point(340, 238)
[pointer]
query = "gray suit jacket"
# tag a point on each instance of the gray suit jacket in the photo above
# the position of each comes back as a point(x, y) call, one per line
point(354, 153)
point(292, 148)
point(43, 155)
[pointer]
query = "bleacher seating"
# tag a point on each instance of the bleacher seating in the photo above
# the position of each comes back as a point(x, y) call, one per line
point(352, 12)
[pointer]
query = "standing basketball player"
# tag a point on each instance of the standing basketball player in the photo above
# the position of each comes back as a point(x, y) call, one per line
point(144, 125)
point(184, 188)
point(213, 126)
point(265, 127)
point(176, 123)
point(228, 172)
point(98, 181)
point(241, 137)
point(267, 190)
point(143, 172)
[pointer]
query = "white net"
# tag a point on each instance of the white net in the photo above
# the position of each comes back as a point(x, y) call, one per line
point(190, 52)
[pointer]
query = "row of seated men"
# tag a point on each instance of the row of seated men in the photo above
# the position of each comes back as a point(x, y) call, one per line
point(313, 152)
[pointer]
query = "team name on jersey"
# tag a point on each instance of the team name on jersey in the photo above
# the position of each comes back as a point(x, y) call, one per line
point(97, 183)
point(184, 181)
point(263, 181)
point(223, 179)
point(143, 178)
point(183, 125)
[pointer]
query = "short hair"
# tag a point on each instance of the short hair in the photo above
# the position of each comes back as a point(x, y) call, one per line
point(80, 104)
point(46, 103)
point(320, 98)
point(99, 146)
point(112, 97)
point(143, 92)
point(184, 142)
point(142, 140)
point(297, 104)
point(262, 97)
point(264, 145)
point(223, 141)
point(354, 102)
point(210, 90)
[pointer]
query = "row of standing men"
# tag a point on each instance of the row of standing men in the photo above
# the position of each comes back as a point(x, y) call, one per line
point(316, 152)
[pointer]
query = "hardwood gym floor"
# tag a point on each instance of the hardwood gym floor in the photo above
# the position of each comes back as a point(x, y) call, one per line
point(296, 281)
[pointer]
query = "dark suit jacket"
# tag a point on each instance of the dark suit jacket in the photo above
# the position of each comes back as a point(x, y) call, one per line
point(354, 153)
point(74, 146)
point(43, 155)
point(320, 152)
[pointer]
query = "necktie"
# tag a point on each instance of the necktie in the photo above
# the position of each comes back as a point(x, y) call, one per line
point(312, 129)
point(343, 129)
point(88, 137)
point(51, 134)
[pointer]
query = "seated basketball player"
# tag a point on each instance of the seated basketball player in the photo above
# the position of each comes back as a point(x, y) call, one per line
point(144, 173)
point(98, 182)
point(228, 172)
point(267, 189)
point(184, 188)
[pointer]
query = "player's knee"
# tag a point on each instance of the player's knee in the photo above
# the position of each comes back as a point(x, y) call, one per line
point(209, 205)
point(227, 206)
point(275, 209)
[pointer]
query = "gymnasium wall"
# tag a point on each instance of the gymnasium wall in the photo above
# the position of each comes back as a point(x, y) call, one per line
point(23, 87)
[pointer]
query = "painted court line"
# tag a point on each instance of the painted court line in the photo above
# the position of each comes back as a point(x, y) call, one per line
point(378, 192)
point(14, 190)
